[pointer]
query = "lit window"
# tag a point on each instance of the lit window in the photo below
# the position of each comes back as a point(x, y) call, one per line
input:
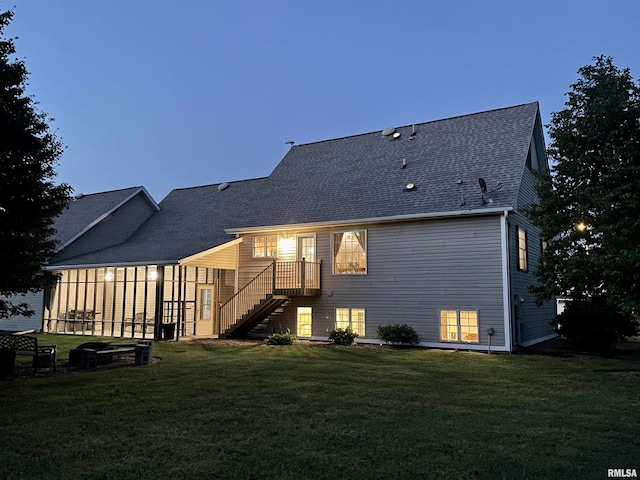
point(350, 252)
point(304, 321)
point(351, 317)
point(459, 326)
point(265, 246)
point(523, 262)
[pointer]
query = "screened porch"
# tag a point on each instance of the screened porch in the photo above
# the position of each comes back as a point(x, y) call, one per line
point(145, 302)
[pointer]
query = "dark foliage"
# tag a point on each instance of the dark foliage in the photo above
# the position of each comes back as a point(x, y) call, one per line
point(592, 324)
point(339, 336)
point(286, 338)
point(397, 334)
point(589, 210)
point(29, 200)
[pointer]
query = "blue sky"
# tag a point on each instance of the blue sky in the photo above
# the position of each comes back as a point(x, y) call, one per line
point(171, 94)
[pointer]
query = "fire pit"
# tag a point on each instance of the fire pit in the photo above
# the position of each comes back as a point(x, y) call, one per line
point(77, 355)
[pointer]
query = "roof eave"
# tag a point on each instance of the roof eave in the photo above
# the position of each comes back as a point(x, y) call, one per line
point(374, 220)
point(107, 265)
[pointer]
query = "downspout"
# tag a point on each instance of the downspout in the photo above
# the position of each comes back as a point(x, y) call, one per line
point(506, 279)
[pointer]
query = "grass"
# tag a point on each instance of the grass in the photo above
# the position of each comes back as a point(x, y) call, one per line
point(301, 412)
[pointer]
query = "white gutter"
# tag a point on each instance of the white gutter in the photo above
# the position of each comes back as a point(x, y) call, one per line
point(360, 221)
point(82, 266)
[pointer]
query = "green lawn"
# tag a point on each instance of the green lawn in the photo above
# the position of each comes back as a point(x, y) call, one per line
point(307, 412)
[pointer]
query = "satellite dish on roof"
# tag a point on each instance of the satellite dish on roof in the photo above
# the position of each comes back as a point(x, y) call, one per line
point(483, 185)
point(222, 186)
point(388, 131)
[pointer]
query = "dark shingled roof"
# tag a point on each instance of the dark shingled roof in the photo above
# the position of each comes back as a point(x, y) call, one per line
point(361, 176)
point(85, 210)
point(352, 178)
point(190, 221)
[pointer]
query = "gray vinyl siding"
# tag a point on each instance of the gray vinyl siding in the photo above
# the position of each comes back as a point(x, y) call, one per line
point(112, 230)
point(414, 270)
point(530, 321)
point(20, 323)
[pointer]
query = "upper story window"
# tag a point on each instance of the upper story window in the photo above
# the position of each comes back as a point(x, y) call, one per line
point(349, 250)
point(265, 246)
point(523, 260)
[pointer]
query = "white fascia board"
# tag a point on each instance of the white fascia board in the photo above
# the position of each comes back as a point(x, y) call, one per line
point(363, 221)
point(209, 251)
point(109, 265)
point(106, 214)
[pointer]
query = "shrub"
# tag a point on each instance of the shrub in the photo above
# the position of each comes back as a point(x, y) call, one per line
point(341, 336)
point(593, 324)
point(287, 338)
point(397, 334)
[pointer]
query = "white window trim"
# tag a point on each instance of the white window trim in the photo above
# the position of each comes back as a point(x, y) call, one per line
point(364, 326)
point(310, 321)
point(264, 237)
point(458, 310)
point(526, 248)
point(366, 251)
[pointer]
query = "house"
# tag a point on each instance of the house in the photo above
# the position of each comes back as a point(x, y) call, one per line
point(88, 223)
point(421, 224)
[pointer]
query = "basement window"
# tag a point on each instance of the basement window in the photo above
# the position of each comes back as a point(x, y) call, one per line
point(351, 317)
point(459, 326)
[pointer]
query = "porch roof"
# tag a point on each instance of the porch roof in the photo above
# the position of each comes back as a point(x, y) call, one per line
point(190, 222)
point(222, 256)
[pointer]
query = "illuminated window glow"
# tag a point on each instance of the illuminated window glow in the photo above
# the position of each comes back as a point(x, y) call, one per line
point(349, 252)
point(523, 261)
point(459, 326)
point(351, 317)
point(265, 246)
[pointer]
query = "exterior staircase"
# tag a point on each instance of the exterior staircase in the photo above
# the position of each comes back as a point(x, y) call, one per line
point(267, 292)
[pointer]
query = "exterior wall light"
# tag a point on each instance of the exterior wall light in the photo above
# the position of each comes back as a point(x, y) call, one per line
point(286, 245)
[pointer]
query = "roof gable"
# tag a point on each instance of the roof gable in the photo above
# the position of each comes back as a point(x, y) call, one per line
point(365, 176)
point(85, 211)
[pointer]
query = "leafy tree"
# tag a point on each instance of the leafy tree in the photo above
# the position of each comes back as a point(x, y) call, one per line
point(29, 200)
point(589, 208)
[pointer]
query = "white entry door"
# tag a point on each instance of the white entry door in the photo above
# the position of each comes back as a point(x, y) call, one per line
point(204, 310)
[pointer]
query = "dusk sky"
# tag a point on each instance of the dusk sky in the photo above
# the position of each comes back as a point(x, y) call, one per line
point(171, 94)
